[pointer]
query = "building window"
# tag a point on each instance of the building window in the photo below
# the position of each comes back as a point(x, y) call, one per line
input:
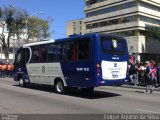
point(150, 6)
point(150, 20)
point(111, 22)
point(93, 2)
point(111, 9)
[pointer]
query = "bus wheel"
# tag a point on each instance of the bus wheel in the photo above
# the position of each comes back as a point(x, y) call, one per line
point(59, 87)
point(22, 83)
point(88, 90)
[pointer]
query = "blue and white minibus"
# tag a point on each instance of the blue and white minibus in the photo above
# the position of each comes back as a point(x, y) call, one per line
point(82, 61)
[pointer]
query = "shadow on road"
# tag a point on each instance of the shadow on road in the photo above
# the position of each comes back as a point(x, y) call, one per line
point(74, 92)
point(140, 92)
point(94, 95)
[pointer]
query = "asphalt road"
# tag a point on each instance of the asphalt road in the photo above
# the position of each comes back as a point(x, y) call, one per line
point(43, 100)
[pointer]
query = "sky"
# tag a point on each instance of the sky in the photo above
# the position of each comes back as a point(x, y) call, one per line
point(60, 10)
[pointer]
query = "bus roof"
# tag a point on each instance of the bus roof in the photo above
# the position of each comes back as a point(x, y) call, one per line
point(52, 41)
point(39, 43)
point(67, 38)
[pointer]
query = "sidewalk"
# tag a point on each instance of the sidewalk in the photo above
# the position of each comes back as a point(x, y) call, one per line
point(7, 78)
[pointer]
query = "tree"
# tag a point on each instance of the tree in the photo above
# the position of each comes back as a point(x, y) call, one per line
point(37, 29)
point(154, 32)
point(0, 12)
point(15, 20)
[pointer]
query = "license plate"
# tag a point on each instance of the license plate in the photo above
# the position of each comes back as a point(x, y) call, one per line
point(115, 74)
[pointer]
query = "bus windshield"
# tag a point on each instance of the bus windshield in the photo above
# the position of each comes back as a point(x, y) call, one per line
point(113, 45)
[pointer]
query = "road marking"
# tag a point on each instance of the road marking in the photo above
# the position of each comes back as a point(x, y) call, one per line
point(143, 110)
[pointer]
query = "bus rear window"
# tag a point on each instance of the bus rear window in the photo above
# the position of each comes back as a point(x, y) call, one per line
point(113, 45)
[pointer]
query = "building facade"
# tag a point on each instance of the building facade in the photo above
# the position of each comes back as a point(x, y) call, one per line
point(75, 27)
point(127, 18)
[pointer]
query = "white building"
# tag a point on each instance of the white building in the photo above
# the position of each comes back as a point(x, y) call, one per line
point(128, 18)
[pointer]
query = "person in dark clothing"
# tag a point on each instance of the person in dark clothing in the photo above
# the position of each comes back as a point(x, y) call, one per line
point(132, 72)
point(148, 78)
point(158, 74)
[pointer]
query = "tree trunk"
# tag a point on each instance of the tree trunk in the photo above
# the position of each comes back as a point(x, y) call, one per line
point(7, 46)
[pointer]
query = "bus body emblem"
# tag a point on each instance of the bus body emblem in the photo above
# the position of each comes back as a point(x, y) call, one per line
point(114, 43)
point(43, 69)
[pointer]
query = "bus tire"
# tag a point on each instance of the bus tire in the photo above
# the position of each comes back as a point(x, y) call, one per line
point(22, 83)
point(59, 86)
point(87, 90)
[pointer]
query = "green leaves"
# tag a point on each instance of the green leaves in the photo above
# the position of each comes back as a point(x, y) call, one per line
point(0, 12)
point(37, 28)
point(17, 21)
point(154, 32)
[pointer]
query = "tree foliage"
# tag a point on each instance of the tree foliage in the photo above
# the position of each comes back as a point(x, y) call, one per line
point(37, 29)
point(12, 18)
point(0, 12)
point(154, 32)
point(15, 20)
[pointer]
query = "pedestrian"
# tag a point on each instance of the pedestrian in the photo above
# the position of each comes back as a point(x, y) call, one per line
point(154, 73)
point(4, 67)
point(158, 75)
point(0, 69)
point(143, 74)
point(132, 58)
point(138, 71)
point(149, 88)
point(132, 72)
point(9, 69)
point(12, 70)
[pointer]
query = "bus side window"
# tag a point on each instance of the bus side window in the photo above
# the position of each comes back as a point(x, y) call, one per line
point(69, 51)
point(58, 52)
point(42, 53)
point(51, 53)
point(84, 49)
point(65, 51)
point(72, 53)
point(27, 55)
point(54, 52)
point(35, 54)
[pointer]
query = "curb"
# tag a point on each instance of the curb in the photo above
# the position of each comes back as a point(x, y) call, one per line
point(6, 78)
point(138, 87)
